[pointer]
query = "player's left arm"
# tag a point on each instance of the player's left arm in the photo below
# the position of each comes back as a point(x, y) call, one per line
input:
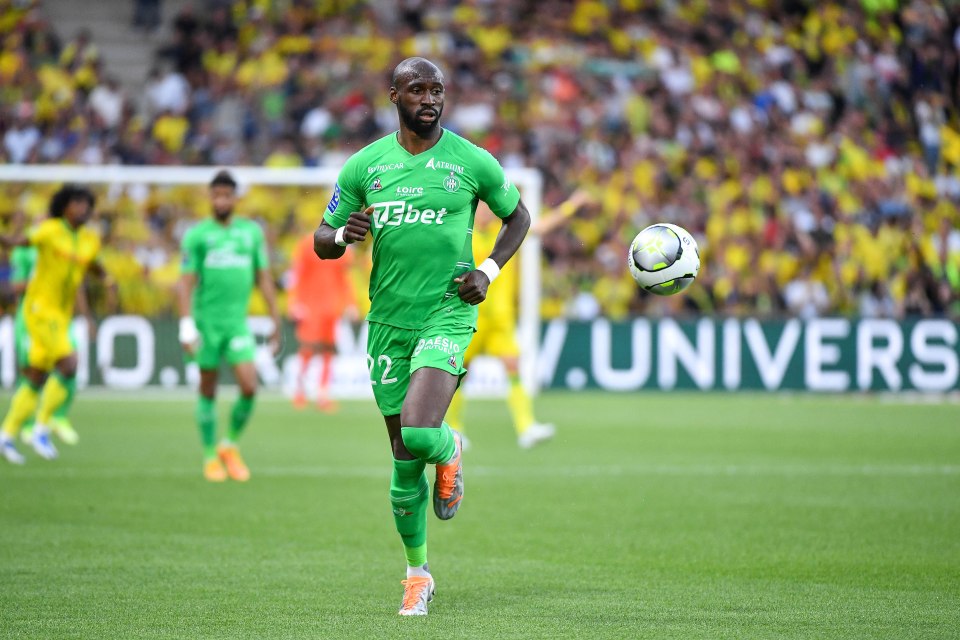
point(267, 288)
point(97, 270)
point(269, 291)
point(82, 306)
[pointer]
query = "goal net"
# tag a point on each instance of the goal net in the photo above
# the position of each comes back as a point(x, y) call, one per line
point(140, 206)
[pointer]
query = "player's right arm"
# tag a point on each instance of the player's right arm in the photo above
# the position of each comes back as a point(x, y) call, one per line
point(331, 243)
point(188, 333)
point(16, 240)
point(36, 236)
point(345, 220)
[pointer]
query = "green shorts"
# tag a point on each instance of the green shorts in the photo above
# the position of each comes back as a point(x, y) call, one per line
point(21, 339)
point(393, 354)
point(233, 342)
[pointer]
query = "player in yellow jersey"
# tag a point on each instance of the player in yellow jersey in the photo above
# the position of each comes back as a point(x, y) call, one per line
point(497, 324)
point(496, 336)
point(66, 251)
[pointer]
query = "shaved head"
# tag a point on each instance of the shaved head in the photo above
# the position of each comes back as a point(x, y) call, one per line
point(413, 69)
point(418, 91)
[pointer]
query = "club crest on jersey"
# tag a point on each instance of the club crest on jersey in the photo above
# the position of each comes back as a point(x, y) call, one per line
point(376, 186)
point(451, 183)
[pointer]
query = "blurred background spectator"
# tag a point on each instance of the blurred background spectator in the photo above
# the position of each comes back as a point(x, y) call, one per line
point(813, 148)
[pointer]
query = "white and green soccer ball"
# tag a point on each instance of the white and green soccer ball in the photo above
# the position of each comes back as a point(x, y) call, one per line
point(664, 259)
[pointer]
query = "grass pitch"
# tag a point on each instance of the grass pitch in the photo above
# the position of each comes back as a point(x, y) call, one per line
point(650, 516)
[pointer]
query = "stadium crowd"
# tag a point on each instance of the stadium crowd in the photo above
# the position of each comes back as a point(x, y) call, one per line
point(813, 148)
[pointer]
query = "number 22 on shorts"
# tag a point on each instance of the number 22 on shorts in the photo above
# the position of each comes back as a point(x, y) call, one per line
point(384, 361)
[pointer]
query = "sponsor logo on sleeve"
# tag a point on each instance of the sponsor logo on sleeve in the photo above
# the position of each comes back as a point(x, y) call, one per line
point(334, 199)
point(376, 186)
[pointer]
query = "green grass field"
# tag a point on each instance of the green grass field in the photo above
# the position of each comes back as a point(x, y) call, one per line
point(651, 516)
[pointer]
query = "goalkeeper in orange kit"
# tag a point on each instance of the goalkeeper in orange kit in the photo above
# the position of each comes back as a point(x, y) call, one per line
point(320, 294)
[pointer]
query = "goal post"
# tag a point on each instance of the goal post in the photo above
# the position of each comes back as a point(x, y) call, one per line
point(528, 180)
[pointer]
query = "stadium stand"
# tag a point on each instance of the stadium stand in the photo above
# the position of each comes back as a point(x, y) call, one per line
point(814, 151)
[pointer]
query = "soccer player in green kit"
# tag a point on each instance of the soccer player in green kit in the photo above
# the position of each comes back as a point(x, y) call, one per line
point(223, 258)
point(416, 191)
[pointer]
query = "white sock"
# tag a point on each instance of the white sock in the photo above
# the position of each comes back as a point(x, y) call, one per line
point(418, 572)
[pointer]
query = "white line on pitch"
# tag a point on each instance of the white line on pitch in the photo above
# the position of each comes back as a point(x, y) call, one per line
point(508, 473)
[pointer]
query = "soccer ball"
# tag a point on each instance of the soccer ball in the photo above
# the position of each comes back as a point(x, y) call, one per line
point(664, 259)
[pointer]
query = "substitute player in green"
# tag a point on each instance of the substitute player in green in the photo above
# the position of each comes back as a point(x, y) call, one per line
point(223, 258)
point(416, 191)
point(22, 263)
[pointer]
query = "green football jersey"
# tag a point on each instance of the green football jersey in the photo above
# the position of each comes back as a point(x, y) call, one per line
point(22, 262)
point(422, 222)
point(226, 260)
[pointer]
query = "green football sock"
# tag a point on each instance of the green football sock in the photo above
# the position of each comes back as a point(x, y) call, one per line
point(240, 416)
point(64, 408)
point(409, 494)
point(434, 445)
point(207, 423)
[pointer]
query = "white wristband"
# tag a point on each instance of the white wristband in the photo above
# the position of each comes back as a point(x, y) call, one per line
point(339, 237)
point(491, 268)
point(188, 333)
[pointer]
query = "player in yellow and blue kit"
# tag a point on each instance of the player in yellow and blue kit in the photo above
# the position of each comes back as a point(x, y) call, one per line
point(497, 337)
point(23, 260)
point(66, 251)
